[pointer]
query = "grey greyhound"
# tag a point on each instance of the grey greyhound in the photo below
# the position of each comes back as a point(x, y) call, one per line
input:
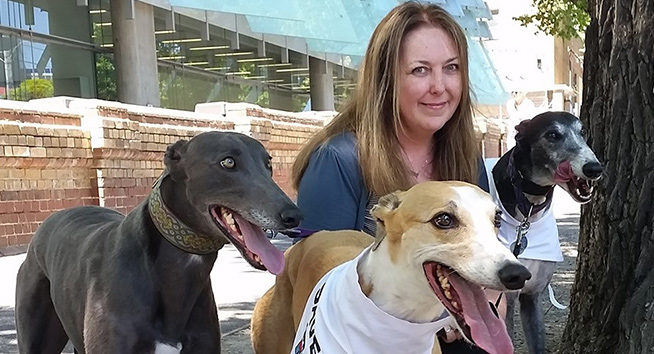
point(550, 150)
point(140, 283)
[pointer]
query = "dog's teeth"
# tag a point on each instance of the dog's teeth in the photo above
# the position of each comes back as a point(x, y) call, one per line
point(445, 284)
point(448, 294)
point(455, 305)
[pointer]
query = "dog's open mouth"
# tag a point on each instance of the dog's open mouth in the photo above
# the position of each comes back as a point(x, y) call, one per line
point(249, 239)
point(469, 306)
point(581, 190)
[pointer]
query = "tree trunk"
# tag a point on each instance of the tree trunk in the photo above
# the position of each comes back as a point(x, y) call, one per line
point(612, 303)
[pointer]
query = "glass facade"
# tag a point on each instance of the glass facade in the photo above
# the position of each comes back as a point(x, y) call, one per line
point(53, 48)
point(45, 50)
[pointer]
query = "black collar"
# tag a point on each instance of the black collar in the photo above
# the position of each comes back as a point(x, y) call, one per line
point(173, 229)
point(522, 186)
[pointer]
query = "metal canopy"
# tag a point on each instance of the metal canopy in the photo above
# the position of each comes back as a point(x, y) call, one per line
point(344, 27)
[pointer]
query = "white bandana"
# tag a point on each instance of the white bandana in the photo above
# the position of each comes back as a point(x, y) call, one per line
point(542, 240)
point(339, 319)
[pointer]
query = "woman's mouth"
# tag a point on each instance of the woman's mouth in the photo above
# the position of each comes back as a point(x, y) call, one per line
point(435, 105)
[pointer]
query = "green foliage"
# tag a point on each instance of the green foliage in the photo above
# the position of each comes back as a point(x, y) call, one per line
point(32, 88)
point(264, 99)
point(106, 77)
point(562, 18)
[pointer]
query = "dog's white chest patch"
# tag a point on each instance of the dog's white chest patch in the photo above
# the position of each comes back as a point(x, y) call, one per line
point(161, 348)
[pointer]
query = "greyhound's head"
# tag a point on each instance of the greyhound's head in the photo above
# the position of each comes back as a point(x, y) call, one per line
point(557, 154)
point(443, 237)
point(221, 186)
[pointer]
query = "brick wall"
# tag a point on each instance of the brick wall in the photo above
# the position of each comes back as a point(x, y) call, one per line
point(63, 152)
point(44, 167)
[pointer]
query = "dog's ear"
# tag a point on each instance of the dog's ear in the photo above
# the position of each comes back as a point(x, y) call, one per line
point(173, 155)
point(384, 207)
point(521, 128)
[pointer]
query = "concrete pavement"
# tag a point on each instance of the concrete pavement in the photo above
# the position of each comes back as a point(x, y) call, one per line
point(237, 286)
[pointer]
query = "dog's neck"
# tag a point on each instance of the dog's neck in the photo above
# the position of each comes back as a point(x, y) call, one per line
point(397, 287)
point(175, 230)
point(519, 194)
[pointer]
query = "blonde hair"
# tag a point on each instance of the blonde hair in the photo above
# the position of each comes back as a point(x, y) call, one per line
point(373, 112)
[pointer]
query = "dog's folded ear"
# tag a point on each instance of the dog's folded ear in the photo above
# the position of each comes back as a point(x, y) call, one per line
point(174, 151)
point(522, 128)
point(173, 155)
point(385, 206)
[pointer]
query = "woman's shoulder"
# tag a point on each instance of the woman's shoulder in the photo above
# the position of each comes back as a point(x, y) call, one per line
point(343, 145)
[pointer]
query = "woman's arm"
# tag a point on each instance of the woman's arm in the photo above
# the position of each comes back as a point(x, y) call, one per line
point(331, 194)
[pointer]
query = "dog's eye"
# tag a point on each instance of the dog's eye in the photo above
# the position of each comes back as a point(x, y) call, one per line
point(444, 221)
point(554, 136)
point(228, 163)
point(269, 165)
point(583, 132)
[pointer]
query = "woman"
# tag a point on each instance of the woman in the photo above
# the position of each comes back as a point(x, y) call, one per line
point(409, 121)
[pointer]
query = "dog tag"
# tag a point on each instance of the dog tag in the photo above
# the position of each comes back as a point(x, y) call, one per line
point(521, 238)
point(523, 246)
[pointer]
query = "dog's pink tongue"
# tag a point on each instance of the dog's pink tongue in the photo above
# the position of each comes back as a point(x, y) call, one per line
point(563, 172)
point(487, 331)
point(257, 242)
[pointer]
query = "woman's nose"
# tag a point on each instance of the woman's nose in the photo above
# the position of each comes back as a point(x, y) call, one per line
point(436, 85)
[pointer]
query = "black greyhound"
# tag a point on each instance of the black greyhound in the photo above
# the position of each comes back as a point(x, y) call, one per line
point(140, 283)
point(550, 150)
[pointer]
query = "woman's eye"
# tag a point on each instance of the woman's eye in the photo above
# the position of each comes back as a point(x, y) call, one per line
point(228, 163)
point(452, 67)
point(421, 70)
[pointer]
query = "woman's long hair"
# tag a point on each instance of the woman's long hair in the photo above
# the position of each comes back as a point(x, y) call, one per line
point(373, 112)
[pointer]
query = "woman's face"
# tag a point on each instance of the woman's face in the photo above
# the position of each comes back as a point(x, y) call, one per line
point(429, 81)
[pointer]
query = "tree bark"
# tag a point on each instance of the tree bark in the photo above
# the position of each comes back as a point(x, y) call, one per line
point(612, 302)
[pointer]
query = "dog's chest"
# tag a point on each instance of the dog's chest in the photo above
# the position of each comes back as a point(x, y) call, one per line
point(161, 348)
point(541, 242)
point(339, 318)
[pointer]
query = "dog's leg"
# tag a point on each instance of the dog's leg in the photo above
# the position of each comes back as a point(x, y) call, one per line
point(510, 299)
point(532, 322)
point(531, 312)
point(272, 324)
point(38, 328)
point(203, 330)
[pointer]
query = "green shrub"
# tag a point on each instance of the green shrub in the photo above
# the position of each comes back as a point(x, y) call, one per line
point(32, 88)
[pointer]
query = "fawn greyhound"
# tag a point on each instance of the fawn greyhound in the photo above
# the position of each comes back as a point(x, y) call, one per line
point(435, 248)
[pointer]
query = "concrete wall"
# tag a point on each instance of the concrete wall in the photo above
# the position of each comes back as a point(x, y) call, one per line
point(62, 152)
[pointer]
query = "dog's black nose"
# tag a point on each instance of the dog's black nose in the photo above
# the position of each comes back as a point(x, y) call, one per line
point(291, 217)
point(514, 275)
point(592, 169)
